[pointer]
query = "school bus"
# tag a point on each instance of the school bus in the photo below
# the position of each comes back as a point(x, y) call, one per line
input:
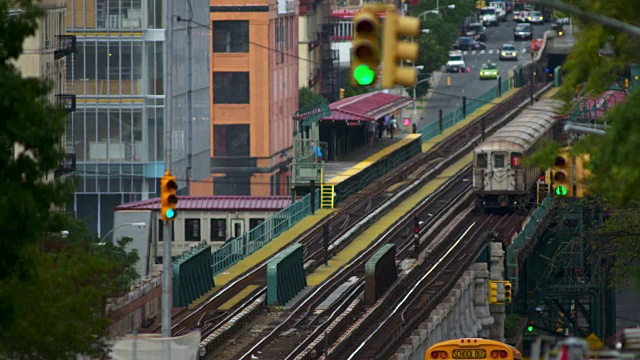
point(472, 349)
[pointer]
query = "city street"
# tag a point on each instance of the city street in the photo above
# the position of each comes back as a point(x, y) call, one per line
point(448, 98)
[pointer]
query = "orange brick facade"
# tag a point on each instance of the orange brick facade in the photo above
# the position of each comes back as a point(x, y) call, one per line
point(254, 93)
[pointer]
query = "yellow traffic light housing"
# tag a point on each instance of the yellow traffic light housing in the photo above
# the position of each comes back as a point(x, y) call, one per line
point(341, 93)
point(493, 292)
point(507, 292)
point(563, 175)
point(582, 175)
point(365, 48)
point(394, 49)
point(168, 197)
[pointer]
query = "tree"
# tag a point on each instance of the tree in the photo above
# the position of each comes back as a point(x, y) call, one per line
point(613, 158)
point(29, 120)
point(52, 288)
point(443, 31)
point(61, 309)
point(307, 97)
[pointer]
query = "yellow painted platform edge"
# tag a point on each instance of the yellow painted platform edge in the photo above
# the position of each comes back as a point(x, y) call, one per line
point(551, 93)
point(372, 159)
point(426, 146)
point(239, 296)
point(359, 243)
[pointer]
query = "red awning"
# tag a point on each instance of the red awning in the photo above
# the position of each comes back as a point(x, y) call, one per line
point(366, 107)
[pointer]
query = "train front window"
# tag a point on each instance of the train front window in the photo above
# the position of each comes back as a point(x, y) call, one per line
point(481, 161)
point(498, 160)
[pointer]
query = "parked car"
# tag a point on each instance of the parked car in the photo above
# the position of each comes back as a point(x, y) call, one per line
point(523, 32)
point(508, 52)
point(456, 62)
point(476, 31)
point(467, 43)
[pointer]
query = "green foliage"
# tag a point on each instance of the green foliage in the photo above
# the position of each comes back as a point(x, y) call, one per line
point(61, 308)
point(52, 288)
point(619, 239)
point(511, 324)
point(307, 97)
point(584, 67)
point(544, 157)
point(435, 46)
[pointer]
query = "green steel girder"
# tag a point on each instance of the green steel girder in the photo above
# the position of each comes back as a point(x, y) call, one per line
point(563, 284)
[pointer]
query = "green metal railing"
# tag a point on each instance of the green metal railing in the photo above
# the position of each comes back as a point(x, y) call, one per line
point(523, 237)
point(432, 130)
point(237, 249)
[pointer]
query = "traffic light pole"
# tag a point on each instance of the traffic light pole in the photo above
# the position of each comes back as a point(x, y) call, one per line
point(166, 243)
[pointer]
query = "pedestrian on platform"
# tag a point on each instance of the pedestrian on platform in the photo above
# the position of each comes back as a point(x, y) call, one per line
point(380, 123)
point(371, 131)
point(387, 124)
point(393, 126)
point(316, 151)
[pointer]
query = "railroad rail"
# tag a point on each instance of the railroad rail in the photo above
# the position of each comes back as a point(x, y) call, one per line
point(354, 215)
point(385, 328)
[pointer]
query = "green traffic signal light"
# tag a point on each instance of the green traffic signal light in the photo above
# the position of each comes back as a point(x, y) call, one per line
point(561, 190)
point(170, 214)
point(530, 328)
point(364, 75)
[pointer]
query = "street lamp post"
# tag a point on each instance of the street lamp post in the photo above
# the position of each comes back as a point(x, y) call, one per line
point(138, 224)
point(435, 11)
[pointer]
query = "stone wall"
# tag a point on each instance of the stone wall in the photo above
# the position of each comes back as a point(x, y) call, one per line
point(463, 313)
point(129, 311)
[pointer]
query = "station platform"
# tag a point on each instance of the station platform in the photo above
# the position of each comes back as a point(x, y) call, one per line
point(335, 173)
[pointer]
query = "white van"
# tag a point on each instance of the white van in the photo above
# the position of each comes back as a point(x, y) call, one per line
point(488, 16)
point(501, 10)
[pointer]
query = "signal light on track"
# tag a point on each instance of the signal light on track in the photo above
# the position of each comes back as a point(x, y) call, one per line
point(168, 197)
point(563, 175)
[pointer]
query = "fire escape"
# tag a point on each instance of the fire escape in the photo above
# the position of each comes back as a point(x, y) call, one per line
point(66, 45)
point(325, 77)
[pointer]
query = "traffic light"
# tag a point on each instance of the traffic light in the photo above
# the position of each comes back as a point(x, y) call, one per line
point(341, 93)
point(563, 175)
point(507, 292)
point(365, 48)
point(394, 49)
point(493, 292)
point(416, 228)
point(530, 326)
point(168, 197)
point(582, 175)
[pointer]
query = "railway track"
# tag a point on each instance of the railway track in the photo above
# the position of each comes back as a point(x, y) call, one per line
point(354, 211)
point(385, 328)
point(303, 317)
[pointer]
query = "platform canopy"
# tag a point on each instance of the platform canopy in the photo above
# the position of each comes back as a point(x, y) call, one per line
point(366, 107)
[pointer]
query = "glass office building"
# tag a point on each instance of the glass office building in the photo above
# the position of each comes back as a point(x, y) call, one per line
point(117, 130)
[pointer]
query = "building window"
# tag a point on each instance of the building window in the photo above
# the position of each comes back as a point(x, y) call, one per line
point(230, 36)
point(218, 229)
point(192, 230)
point(232, 184)
point(231, 140)
point(253, 223)
point(230, 87)
point(161, 231)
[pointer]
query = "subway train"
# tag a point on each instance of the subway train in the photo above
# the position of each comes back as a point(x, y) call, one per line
point(500, 179)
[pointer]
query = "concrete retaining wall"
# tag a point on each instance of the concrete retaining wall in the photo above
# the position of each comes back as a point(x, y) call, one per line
point(463, 313)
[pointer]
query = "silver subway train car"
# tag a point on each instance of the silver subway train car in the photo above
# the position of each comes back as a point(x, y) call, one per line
point(500, 179)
